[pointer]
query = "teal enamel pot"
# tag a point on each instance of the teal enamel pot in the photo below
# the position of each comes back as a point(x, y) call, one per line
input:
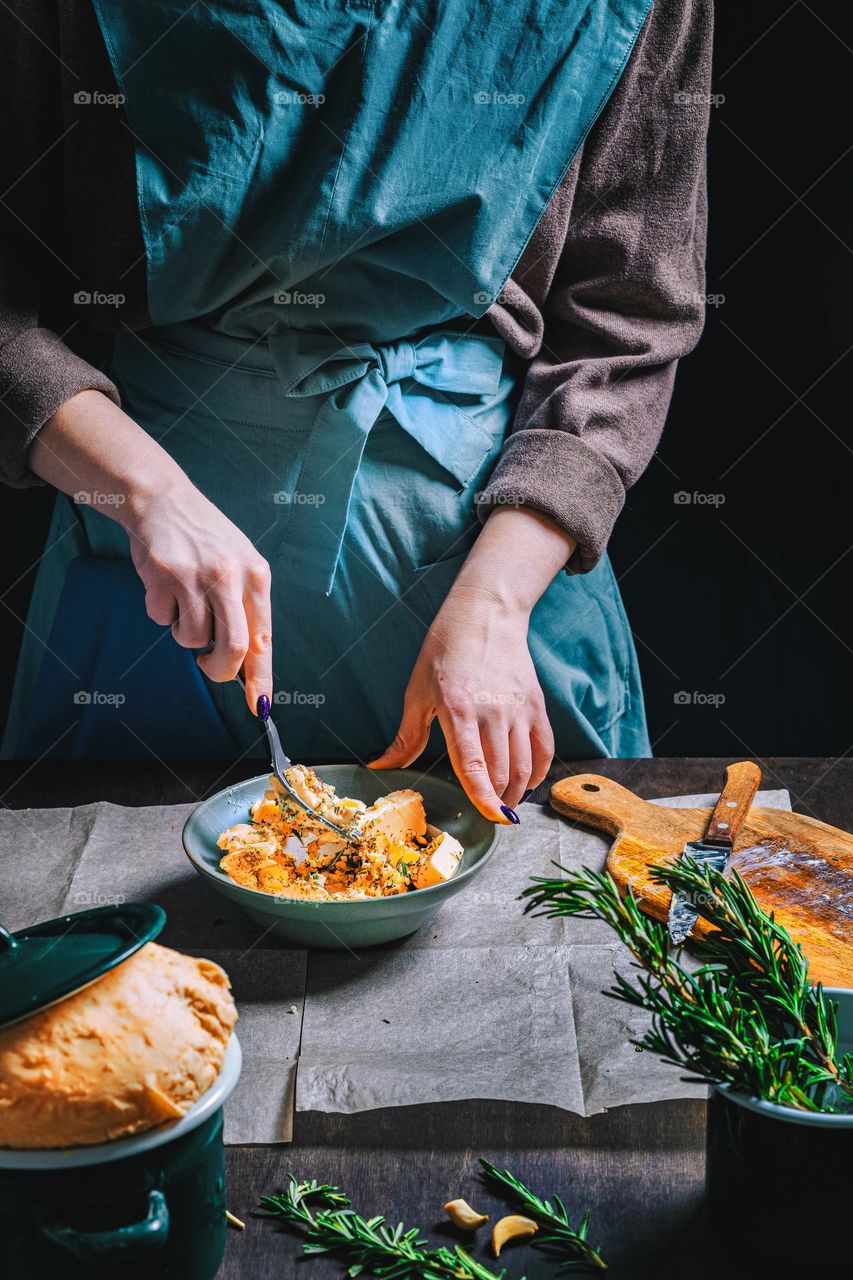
point(148, 1207)
point(349, 924)
point(780, 1181)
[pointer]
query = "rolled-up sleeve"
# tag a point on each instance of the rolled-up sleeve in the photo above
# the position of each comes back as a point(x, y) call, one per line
point(627, 299)
point(38, 369)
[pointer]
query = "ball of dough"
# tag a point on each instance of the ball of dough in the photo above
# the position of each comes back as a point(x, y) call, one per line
point(132, 1050)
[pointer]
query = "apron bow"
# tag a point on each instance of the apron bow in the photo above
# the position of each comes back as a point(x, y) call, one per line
point(414, 381)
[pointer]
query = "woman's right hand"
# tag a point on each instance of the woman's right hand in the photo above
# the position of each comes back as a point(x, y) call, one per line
point(202, 576)
point(204, 579)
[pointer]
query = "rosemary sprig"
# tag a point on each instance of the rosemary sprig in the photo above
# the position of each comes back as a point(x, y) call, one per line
point(557, 1234)
point(748, 1016)
point(368, 1245)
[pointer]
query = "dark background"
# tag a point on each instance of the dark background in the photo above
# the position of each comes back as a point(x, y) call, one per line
point(747, 599)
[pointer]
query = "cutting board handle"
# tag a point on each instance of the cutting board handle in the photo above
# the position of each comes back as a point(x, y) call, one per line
point(600, 802)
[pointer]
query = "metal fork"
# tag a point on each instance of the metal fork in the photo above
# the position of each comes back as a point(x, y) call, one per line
point(280, 762)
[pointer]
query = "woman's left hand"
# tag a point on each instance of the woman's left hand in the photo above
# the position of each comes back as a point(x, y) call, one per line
point(474, 672)
point(476, 675)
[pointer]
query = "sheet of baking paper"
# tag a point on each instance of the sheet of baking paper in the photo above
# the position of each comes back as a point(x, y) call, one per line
point(417, 1025)
point(487, 1002)
point(268, 985)
point(66, 860)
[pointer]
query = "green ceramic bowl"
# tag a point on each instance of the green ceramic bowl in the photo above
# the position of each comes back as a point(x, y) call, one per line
point(344, 924)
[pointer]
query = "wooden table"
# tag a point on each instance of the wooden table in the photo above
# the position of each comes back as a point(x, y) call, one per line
point(638, 1169)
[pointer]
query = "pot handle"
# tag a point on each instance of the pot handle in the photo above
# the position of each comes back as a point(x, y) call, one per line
point(122, 1242)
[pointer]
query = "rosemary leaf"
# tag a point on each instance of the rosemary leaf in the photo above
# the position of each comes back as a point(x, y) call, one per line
point(367, 1246)
point(557, 1235)
point(748, 1016)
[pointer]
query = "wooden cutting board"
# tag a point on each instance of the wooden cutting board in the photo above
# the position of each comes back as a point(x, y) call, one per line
point(797, 867)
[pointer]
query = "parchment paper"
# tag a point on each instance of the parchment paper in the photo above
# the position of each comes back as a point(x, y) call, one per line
point(483, 1003)
point(502, 1005)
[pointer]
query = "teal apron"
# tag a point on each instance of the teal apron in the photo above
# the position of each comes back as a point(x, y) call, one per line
point(329, 191)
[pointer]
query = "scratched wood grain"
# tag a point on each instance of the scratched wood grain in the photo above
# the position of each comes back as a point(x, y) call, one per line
point(797, 866)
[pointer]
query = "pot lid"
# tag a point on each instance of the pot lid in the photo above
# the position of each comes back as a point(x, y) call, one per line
point(48, 962)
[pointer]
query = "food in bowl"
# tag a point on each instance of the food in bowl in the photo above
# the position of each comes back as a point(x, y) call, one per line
point(130, 1051)
point(286, 851)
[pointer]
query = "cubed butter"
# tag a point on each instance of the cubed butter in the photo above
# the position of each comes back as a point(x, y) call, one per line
point(439, 861)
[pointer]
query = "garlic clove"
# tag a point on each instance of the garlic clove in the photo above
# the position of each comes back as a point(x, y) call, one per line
point(513, 1227)
point(462, 1215)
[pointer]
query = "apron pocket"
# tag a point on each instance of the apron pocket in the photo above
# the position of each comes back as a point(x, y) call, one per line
point(581, 646)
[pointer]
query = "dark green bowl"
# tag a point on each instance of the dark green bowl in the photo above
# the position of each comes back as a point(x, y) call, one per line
point(344, 924)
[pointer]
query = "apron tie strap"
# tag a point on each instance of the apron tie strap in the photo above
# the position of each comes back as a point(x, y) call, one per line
point(415, 383)
point(397, 360)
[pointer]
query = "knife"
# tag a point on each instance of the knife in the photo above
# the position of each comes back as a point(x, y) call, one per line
point(714, 848)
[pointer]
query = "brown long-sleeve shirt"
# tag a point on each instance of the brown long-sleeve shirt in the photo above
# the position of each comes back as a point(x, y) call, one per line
point(606, 297)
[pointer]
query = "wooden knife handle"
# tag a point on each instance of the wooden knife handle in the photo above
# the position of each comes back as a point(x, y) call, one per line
point(734, 803)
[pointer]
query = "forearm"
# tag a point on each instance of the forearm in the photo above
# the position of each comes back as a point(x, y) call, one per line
point(517, 555)
point(202, 575)
point(475, 672)
point(92, 448)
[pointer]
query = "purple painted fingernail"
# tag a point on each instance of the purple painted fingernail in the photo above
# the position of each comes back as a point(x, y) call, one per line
point(526, 796)
point(263, 707)
point(511, 814)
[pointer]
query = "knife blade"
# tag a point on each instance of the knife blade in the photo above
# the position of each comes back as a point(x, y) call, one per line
point(715, 847)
